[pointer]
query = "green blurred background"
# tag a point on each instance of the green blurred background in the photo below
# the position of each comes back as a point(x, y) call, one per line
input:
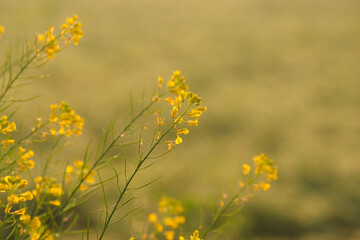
point(278, 76)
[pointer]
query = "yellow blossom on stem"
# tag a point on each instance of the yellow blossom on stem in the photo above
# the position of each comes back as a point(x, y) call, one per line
point(178, 139)
point(169, 235)
point(160, 121)
point(159, 227)
point(152, 218)
point(174, 111)
point(193, 122)
point(264, 185)
point(19, 212)
point(182, 131)
point(246, 169)
point(170, 100)
point(7, 142)
point(13, 199)
point(160, 81)
point(2, 30)
point(64, 121)
point(195, 235)
point(170, 145)
point(55, 203)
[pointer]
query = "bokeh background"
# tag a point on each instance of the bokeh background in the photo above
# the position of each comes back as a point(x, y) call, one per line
point(279, 77)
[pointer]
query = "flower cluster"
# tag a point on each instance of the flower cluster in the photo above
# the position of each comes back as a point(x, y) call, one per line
point(28, 214)
point(183, 100)
point(24, 160)
point(80, 169)
point(69, 31)
point(194, 236)
point(33, 228)
point(167, 220)
point(263, 166)
point(47, 187)
point(11, 185)
point(7, 128)
point(64, 121)
point(2, 30)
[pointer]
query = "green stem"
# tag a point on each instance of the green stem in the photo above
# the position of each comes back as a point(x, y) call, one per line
point(107, 222)
point(98, 160)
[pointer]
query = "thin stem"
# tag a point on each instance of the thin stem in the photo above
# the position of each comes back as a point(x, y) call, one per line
point(107, 222)
point(98, 160)
point(222, 210)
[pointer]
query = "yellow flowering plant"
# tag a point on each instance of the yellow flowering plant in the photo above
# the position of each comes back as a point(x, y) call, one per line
point(42, 204)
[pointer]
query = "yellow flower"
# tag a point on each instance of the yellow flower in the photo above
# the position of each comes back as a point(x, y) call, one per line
point(152, 218)
point(77, 33)
point(160, 81)
point(160, 121)
point(241, 184)
point(178, 139)
point(83, 188)
point(180, 219)
point(9, 128)
point(22, 183)
point(26, 196)
point(41, 38)
point(182, 95)
point(19, 212)
point(195, 235)
point(27, 155)
point(170, 84)
point(21, 151)
point(169, 235)
point(170, 100)
point(55, 203)
point(2, 29)
point(170, 145)
point(246, 169)
point(265, 186)
point(193, 122)
point(196, 112)
point(53, 132)
point(174, 111)
point(56, 191)
point(13, 199)
point(272, 174)
point(177, 73)
point(38, 122)
point(7, 142)
point(182, 131)
point(65, 119)
point(170, 222)
point(159, 227)
point(178, 120)
point(25, 218)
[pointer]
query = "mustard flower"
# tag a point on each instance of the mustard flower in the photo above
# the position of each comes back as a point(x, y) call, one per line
point(64, 120)
point(19, 212)
point(195, 235)
point(152, 218)
point(2, 30)
point(246, 169)
point(169, 235)
point(160, 81)
point(13, 199)
point(159, 227)
point(7, 142)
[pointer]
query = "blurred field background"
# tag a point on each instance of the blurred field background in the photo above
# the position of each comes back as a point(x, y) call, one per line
point(279, 77)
